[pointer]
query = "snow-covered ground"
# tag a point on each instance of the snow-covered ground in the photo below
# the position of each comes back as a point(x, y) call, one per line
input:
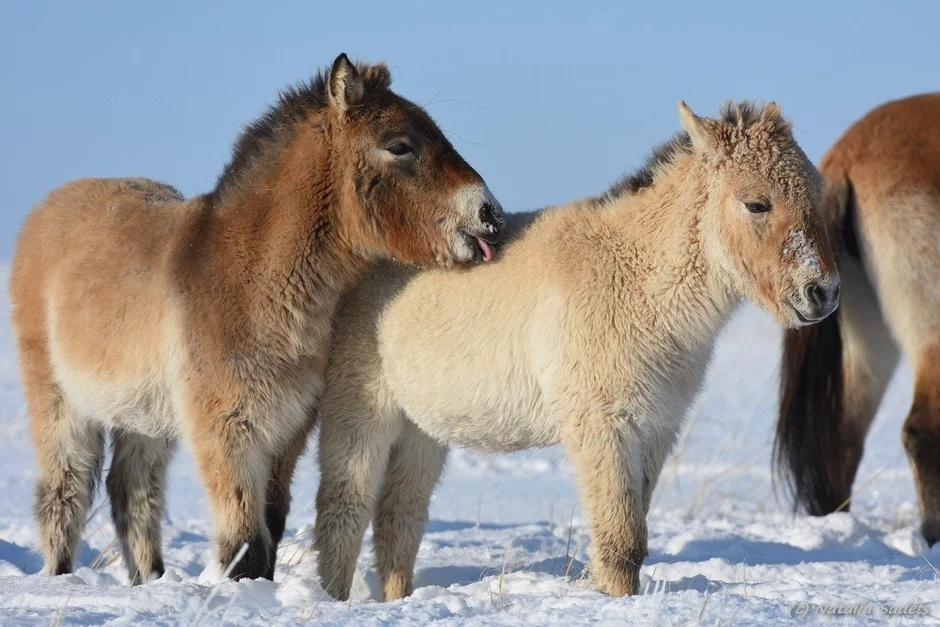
point(507, 545)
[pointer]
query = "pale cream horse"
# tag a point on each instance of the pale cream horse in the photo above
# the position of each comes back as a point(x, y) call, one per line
point(594, 330)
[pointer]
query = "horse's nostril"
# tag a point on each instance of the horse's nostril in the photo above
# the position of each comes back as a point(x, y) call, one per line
point(488, 214)
point(814, 294)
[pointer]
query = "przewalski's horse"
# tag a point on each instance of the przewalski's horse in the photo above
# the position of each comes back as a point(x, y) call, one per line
point(882, 204)
point(156, 318)
point(594, 329)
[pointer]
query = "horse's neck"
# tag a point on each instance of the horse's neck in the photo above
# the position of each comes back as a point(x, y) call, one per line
point(292, 251)
point(664, 228)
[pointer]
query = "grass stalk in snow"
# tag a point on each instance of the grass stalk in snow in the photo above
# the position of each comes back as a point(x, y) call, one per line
point(868, 483)
point(215, 589)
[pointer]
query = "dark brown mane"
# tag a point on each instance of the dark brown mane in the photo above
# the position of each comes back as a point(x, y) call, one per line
point(661, 155)
point(743, 115)
point(276, 126)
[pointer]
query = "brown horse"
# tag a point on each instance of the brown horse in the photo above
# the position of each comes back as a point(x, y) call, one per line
point(883, 208)
point(156, 318)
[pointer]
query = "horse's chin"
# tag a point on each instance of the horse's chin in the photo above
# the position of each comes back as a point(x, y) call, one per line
point(798, 319)
point(469, 248)
point(784, 313)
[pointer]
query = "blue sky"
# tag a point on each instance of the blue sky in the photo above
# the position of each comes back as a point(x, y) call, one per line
point(549, 102)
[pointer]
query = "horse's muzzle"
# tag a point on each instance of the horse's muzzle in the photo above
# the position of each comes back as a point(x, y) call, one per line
point(818, 299)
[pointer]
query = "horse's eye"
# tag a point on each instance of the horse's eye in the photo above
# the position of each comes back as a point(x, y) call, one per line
point(757, 207)
point(400, 149)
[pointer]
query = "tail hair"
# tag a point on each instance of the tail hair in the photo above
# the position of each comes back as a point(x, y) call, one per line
point(812, 389)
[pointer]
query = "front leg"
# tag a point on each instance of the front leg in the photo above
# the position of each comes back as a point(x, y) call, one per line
point(659, 445)
point(608, 458)
point(234, 467)
point(279, 482)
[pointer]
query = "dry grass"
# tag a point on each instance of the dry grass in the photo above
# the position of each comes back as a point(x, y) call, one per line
point(204, 608)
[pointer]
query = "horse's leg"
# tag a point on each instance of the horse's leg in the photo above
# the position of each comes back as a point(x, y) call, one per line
point(68, 451)
point(354, 450)
point(609, 468)
point(921, 437)
point(235, 467)
point(659, 446)
point(869, 357)
point(414, 468)
point(904, 266)
point(136, 483)
point(68, 454)
point(278, 496)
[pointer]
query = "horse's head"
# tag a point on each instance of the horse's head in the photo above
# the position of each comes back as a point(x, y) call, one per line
point(405, 192)
point(764, 224)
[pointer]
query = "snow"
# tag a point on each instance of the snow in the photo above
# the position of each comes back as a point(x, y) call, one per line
point(802, 249)
point(507, 545)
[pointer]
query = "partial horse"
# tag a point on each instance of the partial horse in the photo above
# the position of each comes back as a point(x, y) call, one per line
point(153, 318)
point(594, 330)
point(882, 205)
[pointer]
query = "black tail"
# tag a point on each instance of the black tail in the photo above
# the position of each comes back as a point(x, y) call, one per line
point(808, 446)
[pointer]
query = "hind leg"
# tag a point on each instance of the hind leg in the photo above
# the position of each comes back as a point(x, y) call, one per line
point(68, 453)
point(870, 357)
point(354, 452)
point(69, 458)
point(136, 484)
point(414, 467)
point(278, 495)
point(921, 438)
point(902, 259)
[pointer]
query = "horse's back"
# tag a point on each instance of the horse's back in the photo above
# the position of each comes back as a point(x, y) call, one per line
point(89, 212)
point(92, 227)
point(893, 149)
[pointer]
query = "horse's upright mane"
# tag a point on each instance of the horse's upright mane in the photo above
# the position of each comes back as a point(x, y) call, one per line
point(663, 154)
point(277, 125)
point(743, 115)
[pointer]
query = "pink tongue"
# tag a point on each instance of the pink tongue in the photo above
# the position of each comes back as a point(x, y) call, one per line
point(486, 248)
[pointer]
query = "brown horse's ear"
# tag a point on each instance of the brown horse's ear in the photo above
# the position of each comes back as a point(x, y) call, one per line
point(703, 137)
point(771, 112)
point(346, 87)
point(773, 118)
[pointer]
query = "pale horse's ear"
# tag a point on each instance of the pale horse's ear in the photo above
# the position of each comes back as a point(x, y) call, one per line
point(700, 130)
point(344, 87)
